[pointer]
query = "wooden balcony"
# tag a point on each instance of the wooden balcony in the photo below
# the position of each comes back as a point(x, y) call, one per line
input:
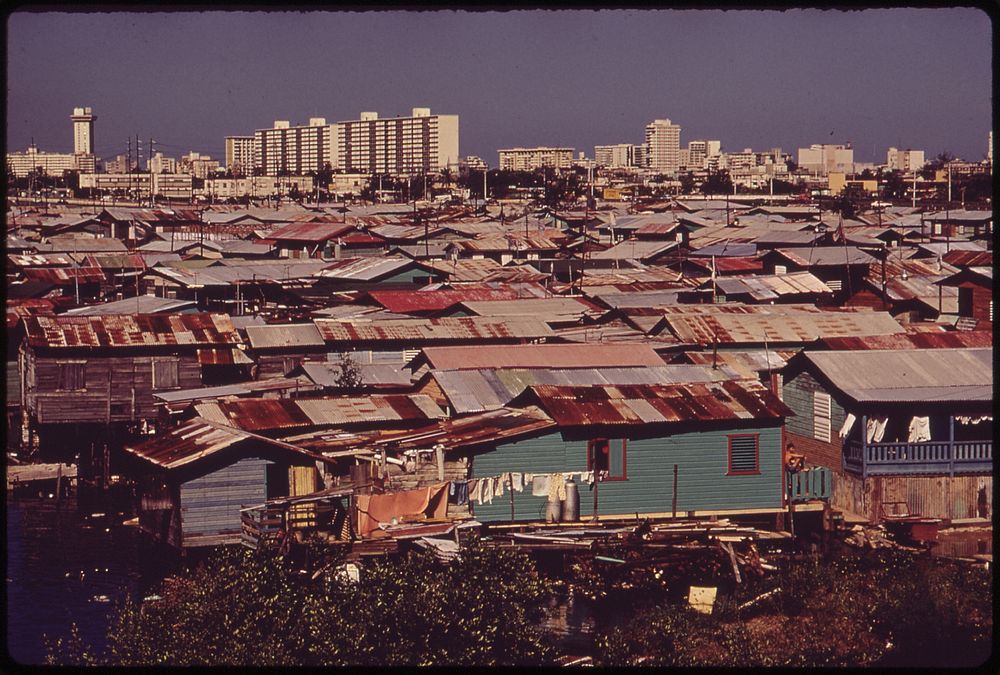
point(927, 458)
point(816, 482)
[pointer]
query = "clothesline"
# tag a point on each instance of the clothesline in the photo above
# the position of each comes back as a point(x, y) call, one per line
point(485, 489)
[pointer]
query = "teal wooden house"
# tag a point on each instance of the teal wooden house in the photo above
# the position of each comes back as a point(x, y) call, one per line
point(690, 449)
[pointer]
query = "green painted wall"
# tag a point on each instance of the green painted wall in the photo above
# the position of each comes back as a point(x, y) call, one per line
point(702, 459)
point(797, 394)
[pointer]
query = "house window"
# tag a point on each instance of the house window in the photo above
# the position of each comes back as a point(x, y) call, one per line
point(744, 454)
point(821, 416)
point(165, 374)
point(607, 458)
point(72, 376)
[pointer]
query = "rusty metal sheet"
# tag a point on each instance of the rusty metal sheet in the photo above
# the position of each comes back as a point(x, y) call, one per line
point(130, 330)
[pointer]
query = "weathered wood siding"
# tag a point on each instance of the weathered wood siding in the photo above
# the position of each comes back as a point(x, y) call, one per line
point(116, 389)
point(210, 505)
point(702, 483)
point(933, 496)
point(797, 393)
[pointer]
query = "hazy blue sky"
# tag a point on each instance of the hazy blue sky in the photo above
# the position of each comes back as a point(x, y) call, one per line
point(915, 78)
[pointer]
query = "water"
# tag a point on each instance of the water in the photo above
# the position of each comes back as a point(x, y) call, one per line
point(65, 568)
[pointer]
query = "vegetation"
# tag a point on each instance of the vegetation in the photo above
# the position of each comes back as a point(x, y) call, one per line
point(886, 608)
point(349, 375)
point(252, 608)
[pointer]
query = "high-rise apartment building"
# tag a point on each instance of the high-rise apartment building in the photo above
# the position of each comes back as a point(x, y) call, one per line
point(198, 165)
point(285, 149)
point(663, 145)
point(239, 153)
point(397, 145)
point(160, 164)
point(83, 131)
point(529, 159)
point(904, 160)
point(618, 156)
point(82, 158)
point(824, 158)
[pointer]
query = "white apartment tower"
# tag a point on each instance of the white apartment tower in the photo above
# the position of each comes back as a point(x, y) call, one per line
point(904, 160)
point(285, 149)
point(239, 153)
point(529, 159)
point(700, 151)
point(398, 145)
point(83, 131)
point(663, 146)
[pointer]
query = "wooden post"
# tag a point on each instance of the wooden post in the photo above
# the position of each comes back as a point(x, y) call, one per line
point(439, 455)
point(673, 501)
point(510, 482)
point(58, 482)
point(597, 481)
point(951, 445)
point(864, 447)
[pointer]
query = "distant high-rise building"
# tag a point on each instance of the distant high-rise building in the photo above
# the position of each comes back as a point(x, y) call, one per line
point(285, 149)
point(824, 158)
point(663, 145)
point(398, 145)
point(619, 156)
point(198, 165)
point(83, 131)
point(904, 160)
point(160, 164)
point(529, 159)
point(239, 153)
point(989, 149)
point(82, 158)
point(700, 151)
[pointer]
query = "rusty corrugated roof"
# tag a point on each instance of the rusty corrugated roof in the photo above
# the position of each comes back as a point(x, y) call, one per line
point(136, 330)
point(543, 356)
point(657, 404)
point(798, 327)
point(403, 302)
point(923, 340)
point(310, 231)
point(63, 276)
point(420, 331)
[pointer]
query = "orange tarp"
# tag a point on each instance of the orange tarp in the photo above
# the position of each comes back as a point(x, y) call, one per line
point(430, 502)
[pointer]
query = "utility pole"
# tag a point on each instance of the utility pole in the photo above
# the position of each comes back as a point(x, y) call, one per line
point(128, 161)
point(149, 165)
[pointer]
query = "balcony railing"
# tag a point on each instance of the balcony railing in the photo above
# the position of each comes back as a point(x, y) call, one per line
point(929, 457)
point(816, 482)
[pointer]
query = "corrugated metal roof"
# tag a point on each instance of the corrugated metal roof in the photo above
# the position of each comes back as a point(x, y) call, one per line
point(658, 404)
point(372, 374)
point(136, 330)
point(364, 269)
point(801, 328)
point(403, 302)
point(310, 231)
point(143, 304)
point(546, 308)
point(270, 414)
point(222, 357)
point(542, 356)
point(284, 335)
point(969, 258)
point(64, 276)
point(774, 286)
point(826, 256)
point(466, 269)
point(635, 249)
point(922, 340)
point(909, 375)
point(199, 438)
point(471, 391)
point(747, 364)
point(421, 331)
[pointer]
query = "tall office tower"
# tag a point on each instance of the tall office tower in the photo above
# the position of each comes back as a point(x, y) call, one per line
point(83, 131)
point(399, 145)
point(292, 150)
point(239, 153)
point(663, 146)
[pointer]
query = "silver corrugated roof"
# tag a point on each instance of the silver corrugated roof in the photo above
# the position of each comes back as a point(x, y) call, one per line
point(284, 335)
point(912, 375)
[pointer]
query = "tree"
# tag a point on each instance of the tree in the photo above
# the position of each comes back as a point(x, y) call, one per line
point(250, 608)
point(349, 375)
point(687, 183)
point(718, 182)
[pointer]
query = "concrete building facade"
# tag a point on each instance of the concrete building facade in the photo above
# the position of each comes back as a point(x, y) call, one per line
point(663, 146)
point(904, 160)
point(529, 159)
point(83, 131)
point(239, 153)
point(821, 159)
point(619, 156)
point(293, 150)
point(421, 143)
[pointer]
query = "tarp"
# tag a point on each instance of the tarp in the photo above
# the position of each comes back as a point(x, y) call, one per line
point(430, 502)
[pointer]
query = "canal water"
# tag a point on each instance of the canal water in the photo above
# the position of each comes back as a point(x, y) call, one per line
point(64, 568)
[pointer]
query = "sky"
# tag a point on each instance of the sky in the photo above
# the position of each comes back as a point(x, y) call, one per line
point(910, 78)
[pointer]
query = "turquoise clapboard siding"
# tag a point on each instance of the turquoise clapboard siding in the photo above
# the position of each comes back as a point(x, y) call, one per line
point(702, 484)
point(797, 394)
point(211, 504)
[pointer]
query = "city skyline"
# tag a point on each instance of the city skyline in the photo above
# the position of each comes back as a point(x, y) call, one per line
point(524, 78)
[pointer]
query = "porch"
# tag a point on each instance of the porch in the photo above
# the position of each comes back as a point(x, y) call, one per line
point(929, 457)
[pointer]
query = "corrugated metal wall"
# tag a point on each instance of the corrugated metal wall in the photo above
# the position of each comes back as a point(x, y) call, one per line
point(702, 459)
point(210, 505)
point(934, 496)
